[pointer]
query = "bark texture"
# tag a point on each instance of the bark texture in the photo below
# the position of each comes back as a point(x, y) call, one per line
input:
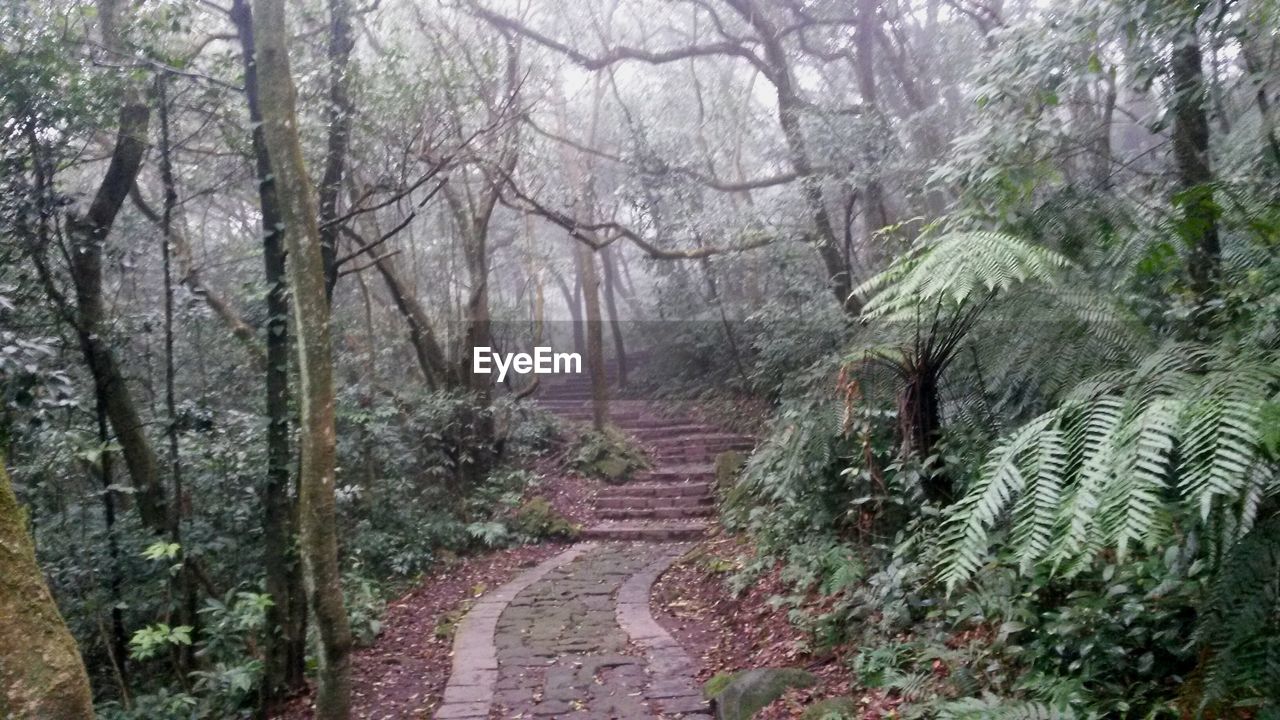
point(41, 674)
point(87, 233)
point(595, 339)
point(286, 654)
point(317, 439)
point(1191, 156)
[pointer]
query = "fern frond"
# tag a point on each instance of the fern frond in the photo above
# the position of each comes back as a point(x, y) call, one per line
point(1241, 627)
point(954, 269)
point(1122, 458)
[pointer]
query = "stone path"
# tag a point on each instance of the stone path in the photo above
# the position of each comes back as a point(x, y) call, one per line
point(573, 638)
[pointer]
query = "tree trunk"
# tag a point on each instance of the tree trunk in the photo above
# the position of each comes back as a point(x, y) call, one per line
point(285, 666)
point(425, 347)
point(184, 583)
point(1191, 156)
point(118, 641)
point(42, 675)
point(475, 253)
point(190, 275)
point(595, 339)
point(306, 272)
point(611, 306)
point(839, 279)
point(875, 213)
point(920, 426)
point(88, 234)
point(341, 43)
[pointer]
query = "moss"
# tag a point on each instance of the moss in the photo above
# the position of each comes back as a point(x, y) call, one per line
point(728, 467)
point(607, 455)
point(41, 674)
point(831, 709)
point(717, 684)
point(536, 518)
point(743, 694)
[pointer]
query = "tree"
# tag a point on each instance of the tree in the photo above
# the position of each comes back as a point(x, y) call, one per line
point(286, 653)
point(87, 235)
point(310, 303)
point(1199, 224)
point(41, 674)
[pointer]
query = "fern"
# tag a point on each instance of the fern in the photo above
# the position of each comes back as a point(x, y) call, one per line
point(1241, 626)
point(956, 268)
point(1180, 436)
point(1002, 709)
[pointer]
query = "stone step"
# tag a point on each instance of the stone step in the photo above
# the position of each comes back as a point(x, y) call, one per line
point(675, 450)
point(705, 437)
point(673, 473)
point(560, 406)
point(670, 431)
point(676, 502)
point(571, 394)
point(585, 415)
point(682, 513)
point(649, 532)
point(656, 490)
point(694, 453)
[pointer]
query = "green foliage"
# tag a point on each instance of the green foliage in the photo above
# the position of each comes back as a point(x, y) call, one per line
point(1125, 457)
point(229, 646)
point(956, 268)
point(1241, 627)
point(365, 600)
point(153, 640)
point(994, 708)
point(536, 519)
point(607, 455)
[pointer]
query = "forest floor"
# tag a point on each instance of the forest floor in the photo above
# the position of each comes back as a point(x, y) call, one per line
point(728, 632)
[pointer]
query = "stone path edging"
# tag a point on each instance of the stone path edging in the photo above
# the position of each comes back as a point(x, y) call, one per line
point(671, 669)
point(469, 692)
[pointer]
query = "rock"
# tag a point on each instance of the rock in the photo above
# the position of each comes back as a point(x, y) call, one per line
point(742, 695)
point(831, 709)
point(728, 466)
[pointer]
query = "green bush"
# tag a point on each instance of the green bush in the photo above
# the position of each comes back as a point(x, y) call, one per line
point(536, 519)
point(607, 455)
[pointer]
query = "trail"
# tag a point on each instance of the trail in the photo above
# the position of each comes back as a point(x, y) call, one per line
point(573, 637)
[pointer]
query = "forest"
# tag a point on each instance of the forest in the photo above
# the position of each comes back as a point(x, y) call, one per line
point(928, 359)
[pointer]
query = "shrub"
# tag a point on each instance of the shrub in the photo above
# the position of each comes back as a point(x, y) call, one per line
point(607, 455)
point(537, 519)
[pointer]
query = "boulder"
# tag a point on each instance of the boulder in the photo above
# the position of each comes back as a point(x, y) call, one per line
point(831, 709)
point(741, 695)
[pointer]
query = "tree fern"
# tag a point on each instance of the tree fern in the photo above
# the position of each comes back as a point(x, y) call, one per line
point(1178, 437)
point(955, 268)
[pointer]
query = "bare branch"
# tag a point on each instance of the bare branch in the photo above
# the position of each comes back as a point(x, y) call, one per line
point(587, 233)
point(622, 53)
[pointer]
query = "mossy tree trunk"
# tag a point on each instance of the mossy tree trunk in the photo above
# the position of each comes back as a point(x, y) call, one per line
point(41, 673)
point(1199, 225)
point(286, 618)
point(317, 439)
point(595, 338)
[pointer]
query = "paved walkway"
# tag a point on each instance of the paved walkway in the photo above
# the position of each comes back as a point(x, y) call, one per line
point(573, 638)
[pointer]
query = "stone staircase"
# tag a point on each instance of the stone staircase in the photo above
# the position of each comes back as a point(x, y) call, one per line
point(674, 500)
